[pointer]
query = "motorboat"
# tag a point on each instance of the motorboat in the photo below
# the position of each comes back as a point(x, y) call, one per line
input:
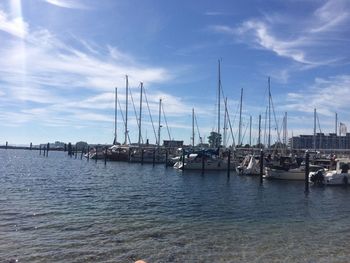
point(339, 176)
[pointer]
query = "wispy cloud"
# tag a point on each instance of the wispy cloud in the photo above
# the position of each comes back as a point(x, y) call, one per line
point(301, 35)
point(14, 26)
point(326, 94)
point(75, 4)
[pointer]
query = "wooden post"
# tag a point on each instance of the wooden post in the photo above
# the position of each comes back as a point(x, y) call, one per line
point(40, 149)
point(76, 151)
point(154, 157)
point(47, 149)
point(166, 158)
point(30, 147)
point(82, 152)
point(69, 149)
point(142, 152)
point(7, 143)
point(307, 156)
point(65, 147)
point(88, 153)
point(203, 163)
point(261, 165)
point(183, 159)
point(105, 155)
point(229, 163)
point(44, 151)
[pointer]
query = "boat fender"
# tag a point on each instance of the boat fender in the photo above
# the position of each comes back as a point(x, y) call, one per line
point(345, 180)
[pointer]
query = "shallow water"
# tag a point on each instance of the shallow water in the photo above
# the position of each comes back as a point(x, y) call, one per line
point(61, 209)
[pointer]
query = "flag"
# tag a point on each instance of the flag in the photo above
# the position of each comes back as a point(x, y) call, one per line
point(342, 128)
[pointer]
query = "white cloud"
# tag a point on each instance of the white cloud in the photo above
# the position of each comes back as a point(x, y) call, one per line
point(75, 4)
point(306, 40)
point(14, 26)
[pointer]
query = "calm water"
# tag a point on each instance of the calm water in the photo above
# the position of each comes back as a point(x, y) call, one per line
point(61, 209)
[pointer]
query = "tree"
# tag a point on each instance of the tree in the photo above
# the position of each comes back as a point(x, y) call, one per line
point(214, 139)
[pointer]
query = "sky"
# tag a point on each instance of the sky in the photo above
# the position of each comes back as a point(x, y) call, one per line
point(61, 61)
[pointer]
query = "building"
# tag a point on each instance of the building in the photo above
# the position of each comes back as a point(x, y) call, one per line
point(321, 141)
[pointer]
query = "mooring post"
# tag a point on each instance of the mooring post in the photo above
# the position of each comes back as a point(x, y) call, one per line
point(76, 151)
point(81, 154)
point(40, 149)
point(7, 143)
point(183, 159)
point(88, 153)
point(142, 152)
point(47, 149)
point(31, 145)
point(203, 162)
point(44, 151)
point(229, 163)
point(65, 147)
point(105, 155)
point(307, 156)
point(95, 154)
point(261, 165)
point(166, 158)
point(154, 157)
point(69, 149)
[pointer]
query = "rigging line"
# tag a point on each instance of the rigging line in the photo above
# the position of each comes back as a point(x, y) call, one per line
point(121, 112)
point(133, 104)
point(166, 123)
point(319, 127)
point(229, 122)
point(150, 115)
point(274, 114)
point(199, 135)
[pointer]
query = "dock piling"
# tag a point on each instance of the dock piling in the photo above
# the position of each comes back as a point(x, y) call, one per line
point(40, 149)
point(81, 154)
point(96, 154)
point(7, 143)
point(31, 145)
point(76, 151)
point(105, 155)
point(307, 166)
point(229, 163)
point(69, 149)
point(47, 149)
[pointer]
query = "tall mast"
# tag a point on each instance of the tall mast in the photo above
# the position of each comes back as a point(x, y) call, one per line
point(259, 136)
point(336, 123)
point(314, 129)
point(115, 116)
point(126, 108)
point(140, 114)
point(160, 115)
point(269, 135)
point(192, 127)
point(219, 94)
point(250, 131)
point(225, 124)
point(285, 130)
point(240, 119)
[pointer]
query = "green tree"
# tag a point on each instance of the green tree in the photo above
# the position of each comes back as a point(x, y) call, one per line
point(214, 139)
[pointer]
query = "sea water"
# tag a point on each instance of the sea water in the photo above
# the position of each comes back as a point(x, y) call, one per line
point(62, 209)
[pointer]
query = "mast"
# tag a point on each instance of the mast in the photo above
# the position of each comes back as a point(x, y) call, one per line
point(250, 131)
point(192, 127)
point(225, 124)
point(269, 135)
point(115, 116)
point(285, 131)
point(159, 126)
point(240, 120)
point(140, 113)
point(259, 136)
point(219, 94)
point(126, 108)
point(336, 123)
point(314, 129)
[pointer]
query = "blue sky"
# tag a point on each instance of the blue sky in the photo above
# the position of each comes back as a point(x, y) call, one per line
point(61, 60)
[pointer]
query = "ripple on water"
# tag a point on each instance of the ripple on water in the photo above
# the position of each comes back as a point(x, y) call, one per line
point(61, 209)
